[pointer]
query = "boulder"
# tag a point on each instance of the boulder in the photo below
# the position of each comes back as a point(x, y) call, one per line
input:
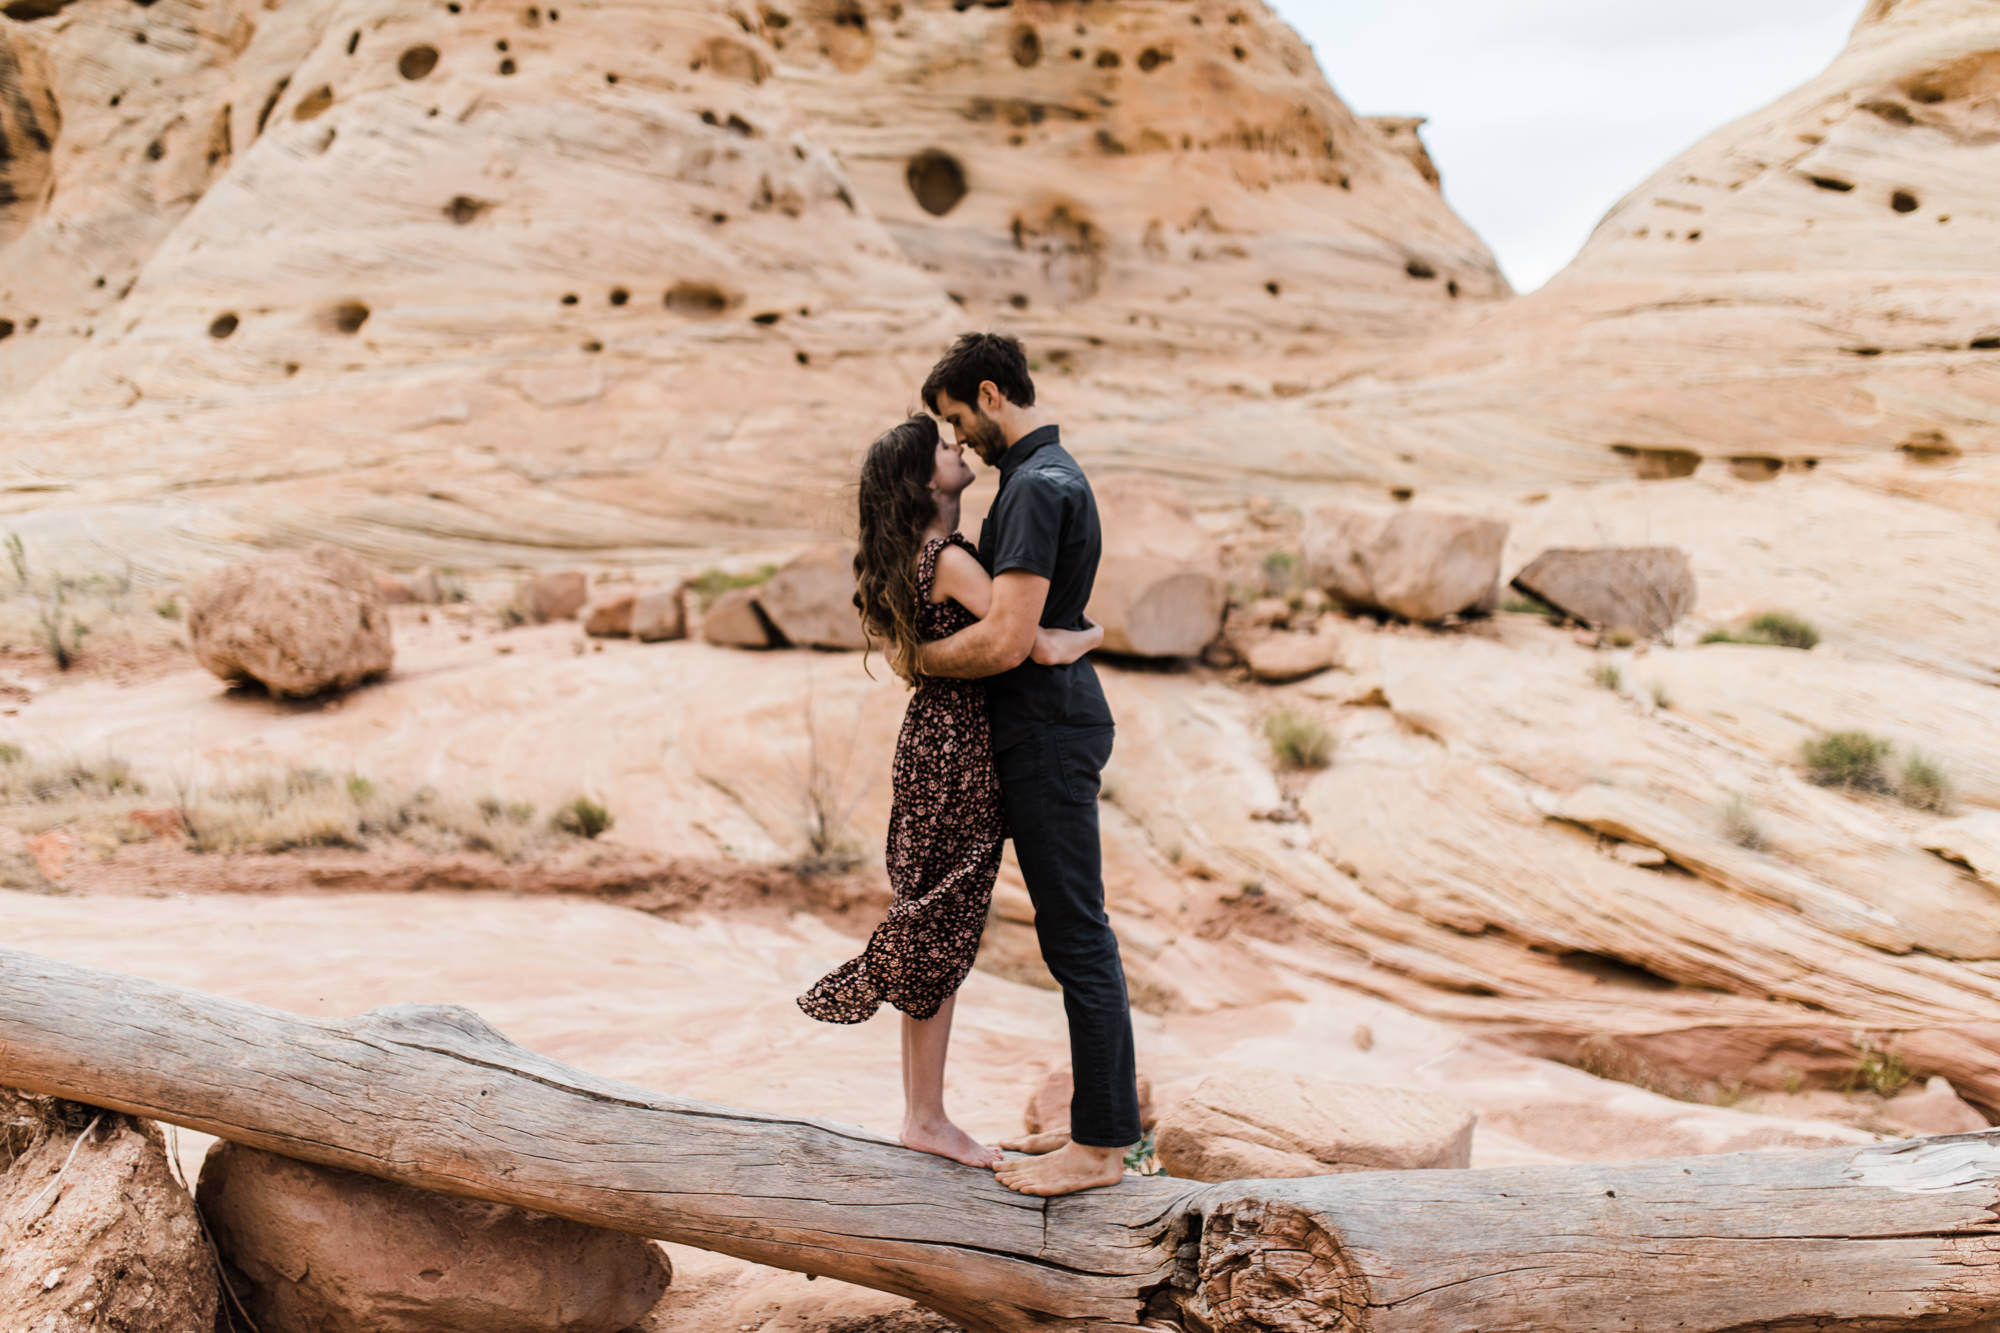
point(609, 615)
point(1159, 590)
point(338, 1252)
point(98, 1234)
point(298, 623)
point(736, 620)
point(1419, 564)
point(1276, 656)
point(394, 591)
point(427, 587)
point(1645, 589)
point(1263, 1123)
point(811, 600)
point(555, 596)
point(1048, 1108)
point(1937, 1109)
point(658, 614)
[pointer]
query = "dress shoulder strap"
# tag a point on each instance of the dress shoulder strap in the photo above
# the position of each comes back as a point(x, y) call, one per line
point(927, 561)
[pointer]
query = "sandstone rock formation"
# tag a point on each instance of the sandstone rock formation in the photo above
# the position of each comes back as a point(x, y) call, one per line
point(609, 614)
point(100, 1235)
point(1276, 656)
point(737, 620)
point(1159, 589)
point(1418, 564)
point(1935, 1109)
point(298, 624)
point(1645, 589)
point(340, 1252)
point(557, 595)
point(659, 614)
point(811, 600)
point(1245, 1125)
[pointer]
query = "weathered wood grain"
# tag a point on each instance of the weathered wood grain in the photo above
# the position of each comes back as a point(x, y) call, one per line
point(1889, 1236)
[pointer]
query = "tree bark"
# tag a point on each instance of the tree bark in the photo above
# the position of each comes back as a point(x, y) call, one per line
point(1888, 1236)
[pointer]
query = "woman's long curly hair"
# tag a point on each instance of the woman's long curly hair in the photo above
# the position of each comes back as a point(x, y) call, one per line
point(896, 507)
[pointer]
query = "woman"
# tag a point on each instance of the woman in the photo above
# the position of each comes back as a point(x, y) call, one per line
point(917, 579)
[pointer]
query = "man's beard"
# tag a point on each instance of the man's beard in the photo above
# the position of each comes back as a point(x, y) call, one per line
point(986, 439)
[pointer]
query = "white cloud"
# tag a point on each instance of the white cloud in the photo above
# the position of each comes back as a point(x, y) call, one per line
point(1543, 113)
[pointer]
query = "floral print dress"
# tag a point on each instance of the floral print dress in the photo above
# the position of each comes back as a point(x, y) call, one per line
point(945, 835)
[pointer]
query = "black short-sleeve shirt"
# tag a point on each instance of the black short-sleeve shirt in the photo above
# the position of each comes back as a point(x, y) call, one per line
point(1044, 521)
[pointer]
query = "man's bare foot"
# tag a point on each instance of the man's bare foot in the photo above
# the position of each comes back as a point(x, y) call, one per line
point(1036, 1144)
point(1072, 1167)
point(948, 1140)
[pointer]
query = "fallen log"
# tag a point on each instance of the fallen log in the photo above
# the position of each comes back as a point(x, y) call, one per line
point(1886, 1236)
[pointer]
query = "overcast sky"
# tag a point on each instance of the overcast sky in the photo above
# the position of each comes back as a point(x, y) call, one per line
point(1544, 113)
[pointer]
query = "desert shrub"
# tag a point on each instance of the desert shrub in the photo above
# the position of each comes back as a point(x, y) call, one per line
point(582, 816)
point(1740, 826)
point(1924, 785)
point(1608, 676)
point(1284, 574)
point(1771, 629)
point(1526, 604)
point(712, 583)
point(1881, 1072)
point(1850, 759)
point(1298, 741)
point(1661, 698)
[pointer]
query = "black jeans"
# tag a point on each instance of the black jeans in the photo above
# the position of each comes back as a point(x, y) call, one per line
point(1048, 785)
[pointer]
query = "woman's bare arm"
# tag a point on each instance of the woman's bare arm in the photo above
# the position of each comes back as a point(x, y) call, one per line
point(1060, 647)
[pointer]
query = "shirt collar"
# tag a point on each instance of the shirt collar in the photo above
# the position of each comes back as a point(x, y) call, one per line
point(1026, 447)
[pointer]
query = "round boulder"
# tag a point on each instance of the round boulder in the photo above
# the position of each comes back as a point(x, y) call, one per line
point(1422, 565)
point(1159, 589)
point(299, 623)
point(811, 601)
point(339, 1252)
point(1261, 1124)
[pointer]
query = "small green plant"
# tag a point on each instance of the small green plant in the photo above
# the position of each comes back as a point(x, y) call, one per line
point(61, 632)
point(1769, 629)
point(359, 789)
point(1740, 826)
point(1525, 604)
point(18, 553)
point(496, 811)
point(1284, 574)
point(1298, 741)
point(582, 816)
point(1608, 676)
point(712, 583)
point(1619, 637)
point(11, 754)
point(1924, 785)
point(1850, 759)
point(1881, 1072)
point(168, 608)
point(1141, 1158)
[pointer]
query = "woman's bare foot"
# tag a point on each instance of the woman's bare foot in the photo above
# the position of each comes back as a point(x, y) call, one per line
point(1070, 1168)
point(948, 1140)
point(1036, 1144)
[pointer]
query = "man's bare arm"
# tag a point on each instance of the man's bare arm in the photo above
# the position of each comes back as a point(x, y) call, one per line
point(998, 643)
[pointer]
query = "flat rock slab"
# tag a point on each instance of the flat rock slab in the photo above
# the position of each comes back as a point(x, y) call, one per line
point(339, 1252)
point(1645, 589)
point(1261, 1124)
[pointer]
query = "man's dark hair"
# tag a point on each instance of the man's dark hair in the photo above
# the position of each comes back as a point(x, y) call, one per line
point(975, 358)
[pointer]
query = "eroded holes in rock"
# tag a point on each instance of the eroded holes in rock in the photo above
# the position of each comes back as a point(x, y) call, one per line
point(464, 209)
point(1903, 202)
point(1657, 463)
point(593, 346)
point(701, 300)
point(28, 11)
point(611, 78)
point(1108, 143)
point(730, 59)
point(223, 325)
point(1755, 467)
point(156, 150)
point(1929, 446)
point(1834, 183)
point(1239, 53)
point(99, 284)
point(533, 18)
point(314, 103)
point(1695, 235)
point(6, 328)
point(718, 218)
point(1616, 971)
point(1018, 300)
point(1893, 112)
point(354, 41)
point(219, 146)
point(417, 62)
point(326, 141)
point(1862, 351)
point(1076, 53)
point(767, 317)
point(1417, 268)
point(802, 358)
point(508, 67)
point(777, 20)
point(619, 296)
point(1026, 46)
point(454, 7)
point(141, 38)
point(555, 16)
point(1402, 494)
point(569, 298)
point(291, 369)
point(271, 102)
point(1109, 60)
point(937, 180)
point(348, 317)
point(500, 45)
point(1273, 288)
point(1985, 342)
point(1451, 288)
point(1152, 58)
point(116, 98)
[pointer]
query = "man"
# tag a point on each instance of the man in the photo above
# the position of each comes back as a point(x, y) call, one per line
point(1052, 734)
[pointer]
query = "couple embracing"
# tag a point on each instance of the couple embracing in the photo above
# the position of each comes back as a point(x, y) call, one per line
point(1006, 735)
